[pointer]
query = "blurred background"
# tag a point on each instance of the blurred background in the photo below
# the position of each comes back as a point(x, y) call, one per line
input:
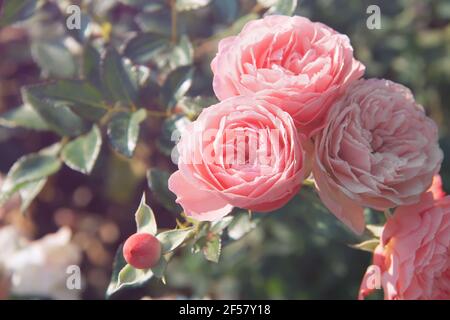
point(300, 252)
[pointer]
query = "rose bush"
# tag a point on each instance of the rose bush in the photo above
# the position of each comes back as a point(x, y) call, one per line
point(378, 149)
point(306, 64)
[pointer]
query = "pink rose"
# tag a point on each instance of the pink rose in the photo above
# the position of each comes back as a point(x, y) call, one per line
point(306, 64)
point(378, 149)
point(413, 258)
point(243, 152)
point(436, 187)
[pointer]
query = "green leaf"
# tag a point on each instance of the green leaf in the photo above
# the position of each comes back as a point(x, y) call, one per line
point(81, 153)
point(91, 62)
point(182, 54)
point(284, 7)
point(177, 84)
point(172, 239)
point(29, 191)
point(25, 117)
point(57, 115)
point(81, 96)
point(27, 169)
point(193, 106)
point(160, 268)
point(123, 131)
point(186, 5)
point(368, 245)
point(157, 182)
point(118, 264)
point(213, 247)
point(375, 230)
point(145, 219)
point(145, 46)
point(227, 11)
point(16, 10)
point(130, 276)
point(117, 80)
point(168, 138)
point(241, 225)
point(218, 226)
point(55, 58)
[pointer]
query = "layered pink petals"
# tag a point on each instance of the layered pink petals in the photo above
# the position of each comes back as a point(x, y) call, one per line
point(308, 65)
point(378, 149)
point(243, 152)
point(414, 254)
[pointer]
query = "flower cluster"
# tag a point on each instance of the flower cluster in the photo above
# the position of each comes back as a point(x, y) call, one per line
point(293, 103)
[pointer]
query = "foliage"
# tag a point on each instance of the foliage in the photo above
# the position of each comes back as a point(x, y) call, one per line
point(105, 100)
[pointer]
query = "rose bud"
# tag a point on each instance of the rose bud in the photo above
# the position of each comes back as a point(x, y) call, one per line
point(142, 250)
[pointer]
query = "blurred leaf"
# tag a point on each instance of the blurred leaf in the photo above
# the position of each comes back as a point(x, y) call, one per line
point(145, 219)
point(91, 65)
point(177, 84)
point(172, 239)
point(145, 46)
point(375, 230)
point(57, 115)
point(368, 245)
point(284, 7)
point(29, 191)
point(218, 226)
point(54, 58)
point(27, 169)
point(158, 22)
point(241, 225)
point(227, 11)
point(123, 131)
point(181, 54)
point(81, 153)
point(157, 182)
point(212, 249)
point(23, 116)
point(118, 264)
point(166, 141)
point(185, 5)
point(82, 97)
point(16, 10)
point(160, 268)
point(193, 106)
point(117, 80)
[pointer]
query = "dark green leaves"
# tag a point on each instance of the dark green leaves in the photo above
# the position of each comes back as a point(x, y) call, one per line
point(123, 131)
point(117, 80)
point(145, 46)
point(157, 182)
point(81, 153)
point(28, 169)
point(59, 118)
point(16, 10)
point(54, 58)
point(227, 11)
point(24, 117)
point(177, 84)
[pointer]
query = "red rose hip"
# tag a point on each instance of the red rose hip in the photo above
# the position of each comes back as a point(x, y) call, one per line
point(142, 250)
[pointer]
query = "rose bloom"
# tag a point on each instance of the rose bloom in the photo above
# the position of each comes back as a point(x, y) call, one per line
point(306, 64)
point(242, 152)
point(413, 257)
point(378, 150)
